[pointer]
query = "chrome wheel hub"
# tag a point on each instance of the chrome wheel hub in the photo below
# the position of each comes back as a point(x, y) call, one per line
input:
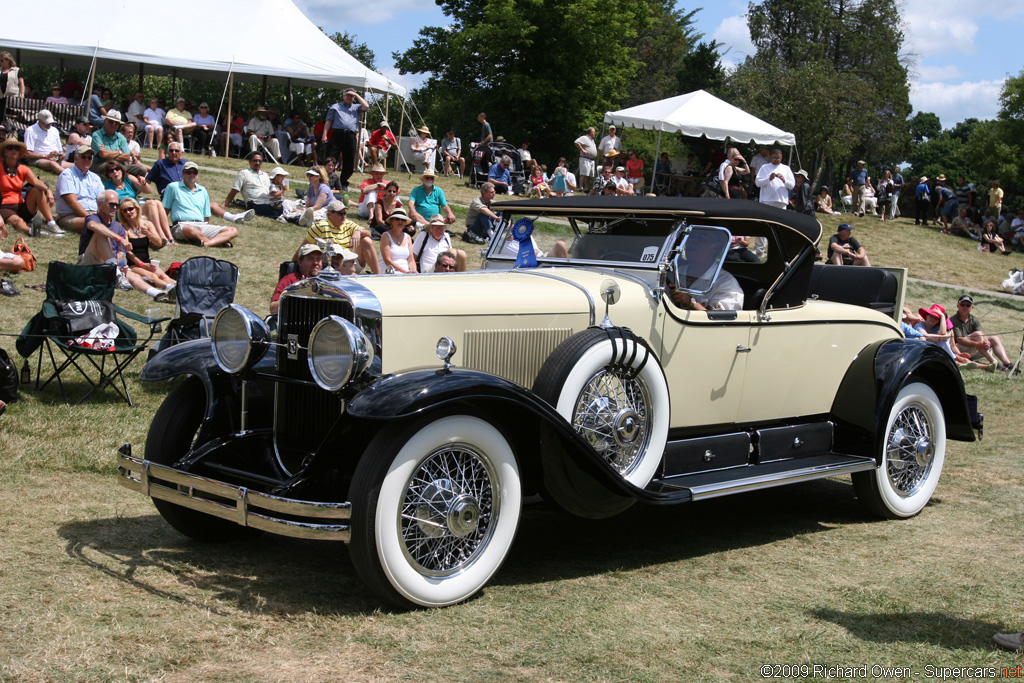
point(448, 511)
point(909, 449)
point(613, 414)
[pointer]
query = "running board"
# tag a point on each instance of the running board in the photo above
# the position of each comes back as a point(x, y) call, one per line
point(753, 477)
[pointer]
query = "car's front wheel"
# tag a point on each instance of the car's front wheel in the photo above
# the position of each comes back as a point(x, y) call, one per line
point(435, 509)
point(913, 453)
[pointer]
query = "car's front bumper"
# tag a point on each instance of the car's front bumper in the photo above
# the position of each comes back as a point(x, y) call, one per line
point(274, 514)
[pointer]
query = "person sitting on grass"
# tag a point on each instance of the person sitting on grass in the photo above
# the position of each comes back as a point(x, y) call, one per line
point(310, 259)
point(939, 329)
point(823, 202)
point(500, 175)
point(480, 219)
point(42, 143)
point(991, 241)
point(142, 235)
point(254, 185)
point(432, 242)
point(381, 141)
point(17, 209)
point(78, 190)
point(386, 204)
point(344, 233)
point(427, 199)
point(962, 225)
point(190, 208)
point(970, 339)
point(369, 190)
point(844, 249)
point(132, 187)
point(9, 262)
point(396, 254)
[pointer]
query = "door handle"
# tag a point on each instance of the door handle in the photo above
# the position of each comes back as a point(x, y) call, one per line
point(740, 348)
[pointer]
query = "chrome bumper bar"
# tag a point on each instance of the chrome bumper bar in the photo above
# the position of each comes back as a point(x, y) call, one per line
point(234, 503)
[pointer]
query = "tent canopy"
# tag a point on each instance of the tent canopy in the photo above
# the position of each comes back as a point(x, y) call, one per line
point(269, 38)
point(699, 114)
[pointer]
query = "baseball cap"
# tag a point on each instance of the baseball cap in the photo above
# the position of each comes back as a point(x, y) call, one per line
point(189, 165)
point(307, 249)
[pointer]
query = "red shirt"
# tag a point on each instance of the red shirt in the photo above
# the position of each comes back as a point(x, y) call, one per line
point(383, 138)
point(285, 282)
point(635, 168)
point(10, 188)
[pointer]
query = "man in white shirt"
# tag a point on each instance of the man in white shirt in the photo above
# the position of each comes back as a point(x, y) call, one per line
point(135, 112)
point(588, 152)
point(254, 185)
point(775, 179)
point(608, 143)
point(434, 241)
point(703, 248)
point(43, 148)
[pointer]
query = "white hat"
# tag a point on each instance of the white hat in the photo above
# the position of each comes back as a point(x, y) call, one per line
point(278, 171)
point(45, 116)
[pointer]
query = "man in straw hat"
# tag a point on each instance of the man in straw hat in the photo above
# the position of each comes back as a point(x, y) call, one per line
point(261, 130)
point(427, 199)
point(432, 242)
point(369, 190)
point(381, 142)
point(110, 144)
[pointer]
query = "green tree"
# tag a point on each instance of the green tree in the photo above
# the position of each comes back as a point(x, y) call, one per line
point(541, 70)
point(924, 126)
point(829, 72)
point(361, 51)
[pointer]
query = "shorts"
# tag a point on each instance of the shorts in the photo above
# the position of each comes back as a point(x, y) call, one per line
point(586, 167)
point(64, 220)
point(20, 210)
point(34, 163)
point(635, 181)
point(950, 208)
point(209, 230)
point(6, 255)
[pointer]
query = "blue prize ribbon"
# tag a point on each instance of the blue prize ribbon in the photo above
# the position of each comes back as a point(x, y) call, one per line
point(521, 231)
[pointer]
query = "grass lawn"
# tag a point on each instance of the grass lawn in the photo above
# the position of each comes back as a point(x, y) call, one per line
point(94, 586)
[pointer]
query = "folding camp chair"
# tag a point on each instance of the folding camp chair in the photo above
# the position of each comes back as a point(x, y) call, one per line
point(205, 286)
point(77, 299)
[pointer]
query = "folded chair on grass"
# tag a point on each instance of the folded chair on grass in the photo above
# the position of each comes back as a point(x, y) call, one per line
point(205, 286)
point(78, 300)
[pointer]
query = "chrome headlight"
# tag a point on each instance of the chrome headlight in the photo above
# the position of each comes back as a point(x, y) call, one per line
point(240, 338)
point(338, 351)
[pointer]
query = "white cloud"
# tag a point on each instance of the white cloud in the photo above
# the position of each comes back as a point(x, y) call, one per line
point(941, 27)
point(950, 72)
point(955, 102)
point(735, 36)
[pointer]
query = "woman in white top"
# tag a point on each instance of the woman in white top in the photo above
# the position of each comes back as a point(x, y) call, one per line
point(154, 117)
point(396, 245)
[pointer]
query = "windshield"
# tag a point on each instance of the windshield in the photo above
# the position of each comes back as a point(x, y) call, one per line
point(604, 240)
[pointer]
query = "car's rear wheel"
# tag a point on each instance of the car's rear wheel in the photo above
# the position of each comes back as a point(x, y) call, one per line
point(171, 435)
point(435, 509)
point(609, 386)
point(913, 452)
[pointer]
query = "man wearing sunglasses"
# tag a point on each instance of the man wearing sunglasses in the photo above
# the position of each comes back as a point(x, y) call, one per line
point(190, 208)
point(78, 190)
point(103, 237)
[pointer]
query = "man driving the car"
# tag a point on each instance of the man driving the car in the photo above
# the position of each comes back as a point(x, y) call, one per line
point(702, 249)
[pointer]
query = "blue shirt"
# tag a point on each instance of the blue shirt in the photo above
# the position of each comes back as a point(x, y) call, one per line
point(898, 182)
point(128, 191)
point(499, 173)
point(428, 204)
point(859, 176)
point(86, 236)
point(115, 142)
point(922, 190)
point(164, 173)
point(185, 204)
point(95, 104)
point(344, 117)
point(86, 186)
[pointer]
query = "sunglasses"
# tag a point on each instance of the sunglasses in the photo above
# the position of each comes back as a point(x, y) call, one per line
point(445, 266)
point(126, 209)
point(113, 205)
point(191, 171)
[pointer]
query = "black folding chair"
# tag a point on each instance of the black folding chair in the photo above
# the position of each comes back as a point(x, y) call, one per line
point(77, 299)
point(205, 286)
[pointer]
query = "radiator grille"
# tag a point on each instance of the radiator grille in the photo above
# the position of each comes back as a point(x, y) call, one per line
point(303, 413)
point(515, 355)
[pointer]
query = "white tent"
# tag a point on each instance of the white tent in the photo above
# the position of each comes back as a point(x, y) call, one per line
point(699, 114)
point(252, 40)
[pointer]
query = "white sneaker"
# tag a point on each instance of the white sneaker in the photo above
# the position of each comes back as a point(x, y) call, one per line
point(122, 282)
point(52, 230)
point(306, 219)
point(244, 217)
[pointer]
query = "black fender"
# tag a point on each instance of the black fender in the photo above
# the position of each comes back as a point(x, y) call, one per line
point(195, 358)
point(524, 417)
point(872, 382)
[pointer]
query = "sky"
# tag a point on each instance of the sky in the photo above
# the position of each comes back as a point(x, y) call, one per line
point(957, 63)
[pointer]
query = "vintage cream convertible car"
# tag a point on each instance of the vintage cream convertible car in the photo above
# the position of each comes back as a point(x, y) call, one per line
point(411, 415)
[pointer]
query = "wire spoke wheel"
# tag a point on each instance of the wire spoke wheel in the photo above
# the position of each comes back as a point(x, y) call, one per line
point(612, 414)
point(446, 513)
point(910, 450)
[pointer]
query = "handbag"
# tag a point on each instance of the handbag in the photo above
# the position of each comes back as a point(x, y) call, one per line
point(21, 249)
point(712, 184)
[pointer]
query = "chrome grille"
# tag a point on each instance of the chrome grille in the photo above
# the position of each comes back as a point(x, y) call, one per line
point(515, 355)
point(303, 413)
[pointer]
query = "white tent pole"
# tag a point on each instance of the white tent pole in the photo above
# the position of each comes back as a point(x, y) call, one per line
point(87, 95)
point(657, 155)
point(228, 119)
point(220, 107)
